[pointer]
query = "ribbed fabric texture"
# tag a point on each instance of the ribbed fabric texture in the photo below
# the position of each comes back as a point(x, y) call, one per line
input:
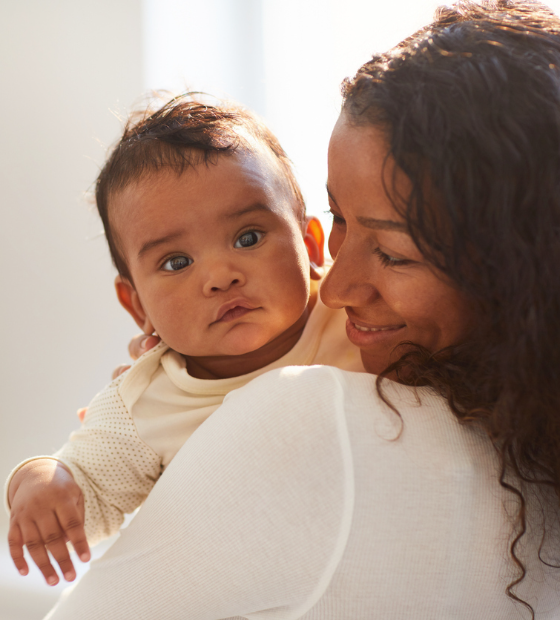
point(305, 496)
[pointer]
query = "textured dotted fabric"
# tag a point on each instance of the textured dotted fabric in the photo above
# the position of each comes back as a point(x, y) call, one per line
point(114, 468)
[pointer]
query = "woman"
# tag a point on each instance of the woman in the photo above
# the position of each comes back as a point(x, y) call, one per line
point(317, 493)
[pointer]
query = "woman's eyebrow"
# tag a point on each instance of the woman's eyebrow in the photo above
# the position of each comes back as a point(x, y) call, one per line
point(371, 222)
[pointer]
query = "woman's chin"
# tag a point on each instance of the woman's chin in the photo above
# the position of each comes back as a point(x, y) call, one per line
point(376, 347)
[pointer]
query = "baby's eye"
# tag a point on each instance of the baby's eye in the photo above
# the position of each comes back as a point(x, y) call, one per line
point(251, 237)
point(177, 263)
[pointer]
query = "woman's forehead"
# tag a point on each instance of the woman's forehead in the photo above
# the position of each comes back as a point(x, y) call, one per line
point(363, 176)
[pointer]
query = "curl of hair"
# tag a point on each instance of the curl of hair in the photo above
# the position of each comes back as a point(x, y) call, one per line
point(470, 107)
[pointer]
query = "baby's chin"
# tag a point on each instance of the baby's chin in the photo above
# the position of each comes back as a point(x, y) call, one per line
point(240, 346)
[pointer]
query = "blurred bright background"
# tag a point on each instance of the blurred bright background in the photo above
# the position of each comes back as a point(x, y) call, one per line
point(70, 71)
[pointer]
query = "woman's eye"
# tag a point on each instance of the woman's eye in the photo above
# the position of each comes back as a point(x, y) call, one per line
point(177, 263)
point(251, 237)
point(391, 261)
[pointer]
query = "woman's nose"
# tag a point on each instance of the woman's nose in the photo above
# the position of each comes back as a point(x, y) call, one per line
point(349, 282)
point(220, 275)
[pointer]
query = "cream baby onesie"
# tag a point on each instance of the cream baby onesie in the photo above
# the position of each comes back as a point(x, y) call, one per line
point(136, 425)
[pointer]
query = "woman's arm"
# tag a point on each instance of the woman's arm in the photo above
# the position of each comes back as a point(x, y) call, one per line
point(251, 515)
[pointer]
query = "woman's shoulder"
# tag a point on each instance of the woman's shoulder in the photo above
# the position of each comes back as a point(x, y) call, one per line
point(291, 400)
point(292, 397)
point(305, 380)
point(297, 399)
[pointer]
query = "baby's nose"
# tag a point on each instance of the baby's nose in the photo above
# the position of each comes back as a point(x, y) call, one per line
point(222, 277)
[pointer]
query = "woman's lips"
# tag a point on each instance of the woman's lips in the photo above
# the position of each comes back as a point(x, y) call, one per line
point(363, 335)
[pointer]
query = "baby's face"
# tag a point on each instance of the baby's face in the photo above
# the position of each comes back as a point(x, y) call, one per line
point(216, 254)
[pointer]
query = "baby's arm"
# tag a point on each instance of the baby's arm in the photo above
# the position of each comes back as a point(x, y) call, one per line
point(105, 470)
point(47, 510)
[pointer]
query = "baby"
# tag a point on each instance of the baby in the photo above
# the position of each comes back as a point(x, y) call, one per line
point(206, 225)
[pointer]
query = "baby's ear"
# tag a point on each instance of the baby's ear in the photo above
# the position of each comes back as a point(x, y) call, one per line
point(130, 301)
point(314, 240)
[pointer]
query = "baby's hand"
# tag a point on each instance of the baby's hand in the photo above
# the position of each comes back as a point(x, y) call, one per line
point(47, 510)
point(140, 344)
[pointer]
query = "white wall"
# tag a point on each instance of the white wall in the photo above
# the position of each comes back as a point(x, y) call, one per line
point(65, 67)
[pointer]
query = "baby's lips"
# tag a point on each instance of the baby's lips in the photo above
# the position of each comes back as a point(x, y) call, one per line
point(240, 302)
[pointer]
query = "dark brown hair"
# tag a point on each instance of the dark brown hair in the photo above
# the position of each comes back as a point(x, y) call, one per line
point(470, 106)
point(183, 133)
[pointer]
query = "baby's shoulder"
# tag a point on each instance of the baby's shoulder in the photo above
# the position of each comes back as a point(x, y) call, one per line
point(132, 383)
point(124, 391)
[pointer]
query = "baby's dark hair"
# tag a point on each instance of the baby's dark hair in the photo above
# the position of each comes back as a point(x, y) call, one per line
point(182, 134)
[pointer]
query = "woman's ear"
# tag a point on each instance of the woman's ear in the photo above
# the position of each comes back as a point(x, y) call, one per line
point(130, 301)
point(314, 240)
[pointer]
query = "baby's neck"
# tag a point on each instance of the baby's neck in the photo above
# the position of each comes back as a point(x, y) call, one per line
point(227, 366)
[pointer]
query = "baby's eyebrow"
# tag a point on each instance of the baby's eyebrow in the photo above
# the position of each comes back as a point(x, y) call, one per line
point(250, 209)
point(149, 245)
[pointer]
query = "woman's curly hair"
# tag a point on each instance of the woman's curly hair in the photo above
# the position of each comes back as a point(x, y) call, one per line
point(470, 106)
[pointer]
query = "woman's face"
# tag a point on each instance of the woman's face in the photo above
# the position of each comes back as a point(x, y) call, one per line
point(390, 293)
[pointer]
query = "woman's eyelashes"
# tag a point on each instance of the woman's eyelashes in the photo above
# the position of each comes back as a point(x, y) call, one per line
point(248, 239)
point(391, 261)
point(337, 219)
point(176, 263)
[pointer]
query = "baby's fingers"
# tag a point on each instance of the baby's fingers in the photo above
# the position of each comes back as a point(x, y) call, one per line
point(54, 538)
point(15, 542)
point(71, 518)
point(33, 540)
point(140, 344)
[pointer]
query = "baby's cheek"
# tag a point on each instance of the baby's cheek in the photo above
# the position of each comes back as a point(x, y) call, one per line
point(178, 329)
point(292, 303)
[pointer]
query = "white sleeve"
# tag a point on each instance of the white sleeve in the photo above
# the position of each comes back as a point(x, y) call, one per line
point(113, 467)
point(250, 518)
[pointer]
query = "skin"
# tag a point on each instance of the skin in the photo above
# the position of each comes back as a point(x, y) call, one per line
point(238, 301)
point(379, 276)
point(230, 309)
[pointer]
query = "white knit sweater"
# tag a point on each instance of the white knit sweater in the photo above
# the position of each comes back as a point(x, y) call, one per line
point(305, 496)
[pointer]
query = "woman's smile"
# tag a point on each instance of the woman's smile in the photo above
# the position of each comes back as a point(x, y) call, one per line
point(363, 333)
point(391, 294)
